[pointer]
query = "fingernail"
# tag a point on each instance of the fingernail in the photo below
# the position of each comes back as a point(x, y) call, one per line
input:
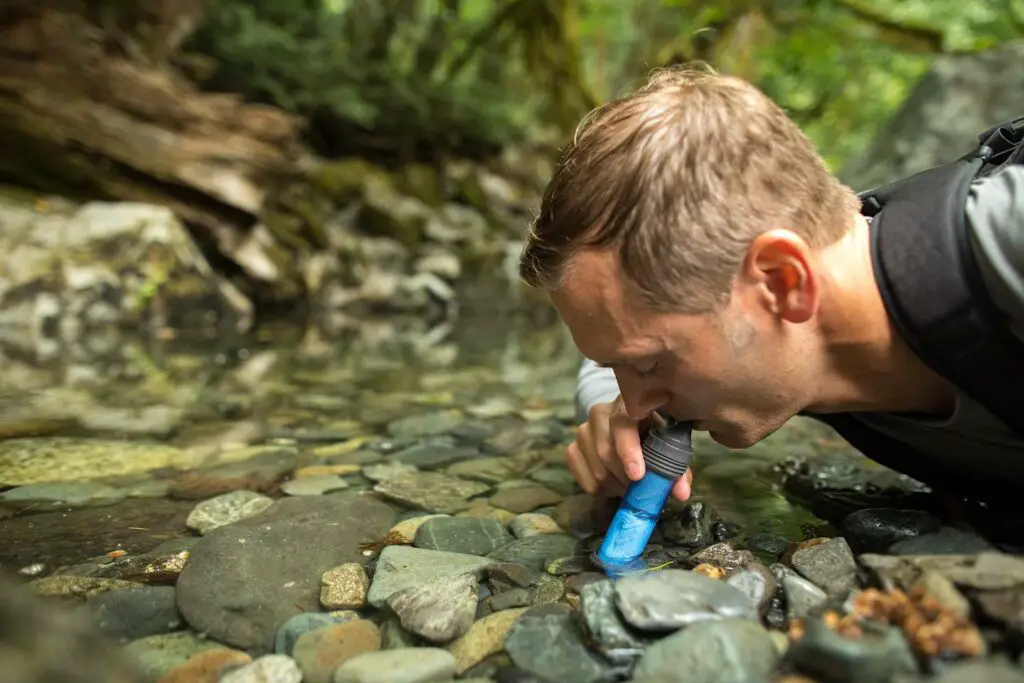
point(633, 471)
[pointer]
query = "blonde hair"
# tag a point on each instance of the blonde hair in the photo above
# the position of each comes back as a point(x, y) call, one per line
point(680, 176)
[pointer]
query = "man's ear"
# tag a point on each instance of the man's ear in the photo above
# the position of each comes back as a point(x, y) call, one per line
point(780, 266)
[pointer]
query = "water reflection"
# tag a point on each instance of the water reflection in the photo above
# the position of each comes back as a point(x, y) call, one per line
point(159, 406)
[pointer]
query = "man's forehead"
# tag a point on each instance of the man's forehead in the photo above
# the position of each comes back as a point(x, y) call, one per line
point(602, 324)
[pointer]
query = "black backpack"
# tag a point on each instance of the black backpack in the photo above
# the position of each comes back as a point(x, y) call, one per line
point(932, 289)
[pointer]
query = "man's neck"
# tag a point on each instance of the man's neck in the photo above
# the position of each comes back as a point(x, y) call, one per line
point(867, 365)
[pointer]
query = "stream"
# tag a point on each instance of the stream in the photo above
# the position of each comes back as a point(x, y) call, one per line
point(387, 501)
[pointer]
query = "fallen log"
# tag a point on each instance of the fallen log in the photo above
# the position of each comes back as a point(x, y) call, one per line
point(82, 116)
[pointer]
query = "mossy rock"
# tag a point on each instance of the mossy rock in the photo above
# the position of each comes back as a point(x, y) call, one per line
point(387, 213)
point(342, 180)
point(471, 192)
point(422, 182)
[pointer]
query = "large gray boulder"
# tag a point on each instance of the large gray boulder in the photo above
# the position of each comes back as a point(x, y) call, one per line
point(958, 98)
point(71, 271)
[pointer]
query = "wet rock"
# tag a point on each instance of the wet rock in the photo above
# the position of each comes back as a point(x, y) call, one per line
point(503, 575)
point(767, 545)
point(227, 509)
point(400, 665)
point(673, 598)
point(525, 498)
point(267, 669)
point(725, 651)
point(829, 565)
point(76, 587)
point(584, 515)
point(484, 638)
point(244, 580)
point(256, 468)
point(984, 571)
point(875, 530)
point(569, 565)
point(835, 484)
point(758, 584)
point(315, 485)
point(388, 470)
point(989, 671)
point(155, 656)
point(879, 654)
point(207, 667)
point(439, 610)
point(154, 567)
point(405, 531)
point(465, 535)
point(134, 613)
point(547, 642)
point(490, 470)
point(691, 527)
point(947, 541)
point(533, 524)
point(292, 630)
point(943, 590)
point(38, 460)
point(576, 582)
point(344, 587)
point(318, 653)
point(430, 491)
point(400, 567)
point(516, 597)
point(535, 551)
point(433, 454)
point(609, 634)
point(802, 596)
point(724, 556)
point(52, 495)
point(558, 479)
point(426, 424)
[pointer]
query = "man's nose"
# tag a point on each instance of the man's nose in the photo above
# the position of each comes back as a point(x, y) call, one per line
point(641, 398)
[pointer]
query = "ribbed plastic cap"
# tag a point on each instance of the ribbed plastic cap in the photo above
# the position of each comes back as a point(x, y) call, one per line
point(668, 450)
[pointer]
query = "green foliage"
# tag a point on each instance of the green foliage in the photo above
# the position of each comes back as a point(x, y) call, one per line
point(840, 68)
point(428, 78)
point(394, 78)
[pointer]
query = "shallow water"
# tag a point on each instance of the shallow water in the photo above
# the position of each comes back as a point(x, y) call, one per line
point(132, 415)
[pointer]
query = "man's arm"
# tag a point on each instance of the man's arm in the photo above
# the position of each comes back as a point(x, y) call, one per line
point(995, 220)
point(594, 384)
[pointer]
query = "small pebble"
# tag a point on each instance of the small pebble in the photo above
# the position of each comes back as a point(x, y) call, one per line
point(400, 665)
point(344, 587)
point(267, 669)
point(225, 509)
point(533, 524)
point(207, 667)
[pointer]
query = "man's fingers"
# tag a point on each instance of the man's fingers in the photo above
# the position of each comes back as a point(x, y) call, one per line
point(626, 437)
point(579, 468)
point(604, 449)
point(588, 443)
point(684, 487)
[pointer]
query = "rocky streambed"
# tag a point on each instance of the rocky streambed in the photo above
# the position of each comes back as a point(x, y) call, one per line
point(315, 513)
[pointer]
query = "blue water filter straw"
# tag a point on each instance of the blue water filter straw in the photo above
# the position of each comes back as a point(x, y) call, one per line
point(667, 453)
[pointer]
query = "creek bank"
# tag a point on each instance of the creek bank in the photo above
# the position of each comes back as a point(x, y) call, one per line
point(347, 238)
point(371, 582)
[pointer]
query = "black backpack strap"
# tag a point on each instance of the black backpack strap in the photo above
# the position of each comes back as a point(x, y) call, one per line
point(930, 282)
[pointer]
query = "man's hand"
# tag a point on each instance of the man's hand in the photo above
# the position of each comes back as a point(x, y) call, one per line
point(606, 455)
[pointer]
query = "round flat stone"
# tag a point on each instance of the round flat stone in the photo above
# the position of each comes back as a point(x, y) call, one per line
point(674, 598)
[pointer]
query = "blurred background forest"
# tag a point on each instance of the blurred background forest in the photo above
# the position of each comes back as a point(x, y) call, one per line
point(468, 77)
point(371, 154)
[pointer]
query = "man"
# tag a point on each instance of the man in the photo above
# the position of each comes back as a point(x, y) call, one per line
point(710, 268)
